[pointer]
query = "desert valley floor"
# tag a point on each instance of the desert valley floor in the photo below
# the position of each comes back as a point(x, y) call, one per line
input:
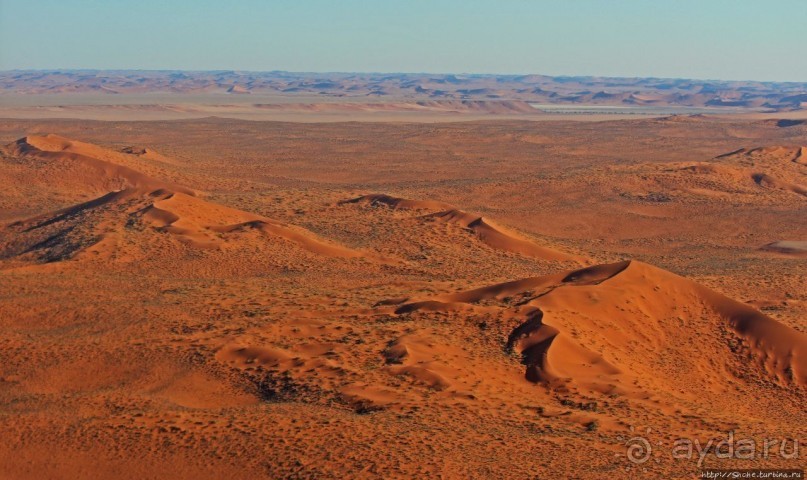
point(213, 298)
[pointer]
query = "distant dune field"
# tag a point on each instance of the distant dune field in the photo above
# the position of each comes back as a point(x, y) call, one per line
point(317, 97)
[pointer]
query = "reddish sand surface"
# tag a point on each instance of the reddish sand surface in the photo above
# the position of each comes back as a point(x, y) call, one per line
point(215, 298)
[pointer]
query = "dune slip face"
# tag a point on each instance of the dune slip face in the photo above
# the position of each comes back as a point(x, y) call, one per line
point(487, 233)
point(100, 227)
point(589, 300)
point(215, 298)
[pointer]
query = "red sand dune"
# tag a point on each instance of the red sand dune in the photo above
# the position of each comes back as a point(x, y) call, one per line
point(494, 236)
point(198, 222)
point(601, 327)
point(140, 200)
point(782, 166)
point(781, 152)
point(87, 165)
point(769, 174)
point(498, 238)
point(195, 222)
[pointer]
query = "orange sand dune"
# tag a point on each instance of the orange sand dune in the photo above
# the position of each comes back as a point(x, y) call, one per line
point(90, 166)
point(774, 167)
point(34, 144)
point(140, 200)
point(602, 327)
point(494, 236)
point(199, 222)
point(107, 220)
point(498, 238)
point(780, 152)
point(771, 174)
point(768, 181)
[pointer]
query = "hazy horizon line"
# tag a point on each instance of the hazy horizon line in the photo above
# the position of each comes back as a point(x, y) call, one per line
point(348, 72)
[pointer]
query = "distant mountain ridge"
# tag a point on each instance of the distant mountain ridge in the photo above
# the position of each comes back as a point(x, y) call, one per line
point(560, 90)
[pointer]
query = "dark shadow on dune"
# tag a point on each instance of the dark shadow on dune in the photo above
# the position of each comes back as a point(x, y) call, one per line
point(784, 123)
point(75, 210)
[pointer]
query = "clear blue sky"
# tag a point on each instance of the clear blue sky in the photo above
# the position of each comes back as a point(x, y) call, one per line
point(714, 39)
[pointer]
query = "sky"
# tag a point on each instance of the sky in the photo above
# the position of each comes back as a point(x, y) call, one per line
point(702, 39)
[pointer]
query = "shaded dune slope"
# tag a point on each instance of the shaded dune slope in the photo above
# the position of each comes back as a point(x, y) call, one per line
point(610, 327)
point(774, 167)
point(488, 233)
point(87, 166)
point(101, 224)
point(384, 200)
point(769, 174)
point(787, 247)
point(98, 226)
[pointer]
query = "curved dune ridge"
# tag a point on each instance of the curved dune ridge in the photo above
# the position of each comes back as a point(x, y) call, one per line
point(99, 223)
point(607, 327)
point(746, 171)
point(781, 164)
point(768, 181)
point(88, 165)
point(498, 238)
point(488, 233)
point(199, 223)
point(193, 221)
point(797, 154)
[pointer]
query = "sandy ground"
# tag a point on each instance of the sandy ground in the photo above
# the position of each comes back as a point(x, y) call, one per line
point(488, 299)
